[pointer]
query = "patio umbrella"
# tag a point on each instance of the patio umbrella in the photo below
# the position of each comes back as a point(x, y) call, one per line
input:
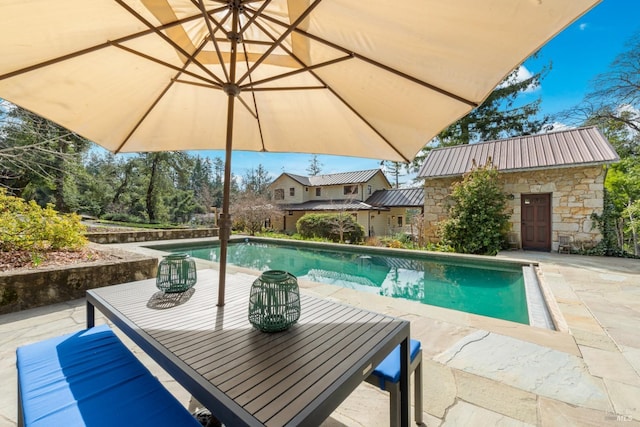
point(375, 78)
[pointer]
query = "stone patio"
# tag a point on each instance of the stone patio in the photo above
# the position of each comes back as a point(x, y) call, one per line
point(477, 370)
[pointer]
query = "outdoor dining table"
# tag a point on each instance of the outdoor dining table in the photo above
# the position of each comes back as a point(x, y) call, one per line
point(245, 376)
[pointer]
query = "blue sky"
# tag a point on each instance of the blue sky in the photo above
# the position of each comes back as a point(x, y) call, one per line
point(578, 54)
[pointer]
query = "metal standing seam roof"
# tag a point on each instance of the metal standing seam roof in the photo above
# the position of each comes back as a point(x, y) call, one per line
point(397, 197)
point(304, 180)
point(328, 205)
point(567, 148)
point(356, 177)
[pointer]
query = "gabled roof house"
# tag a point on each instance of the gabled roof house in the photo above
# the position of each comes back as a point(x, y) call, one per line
point(555, 181)
point(365, 194)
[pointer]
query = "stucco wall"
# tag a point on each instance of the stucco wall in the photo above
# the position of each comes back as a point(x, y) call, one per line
point(285, 183)
point(576, 193)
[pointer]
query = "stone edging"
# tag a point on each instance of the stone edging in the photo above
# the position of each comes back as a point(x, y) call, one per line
point(150, 235)
point(34, 288)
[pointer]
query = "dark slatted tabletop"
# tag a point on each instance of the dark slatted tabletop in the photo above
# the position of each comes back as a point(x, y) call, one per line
point(244, 376)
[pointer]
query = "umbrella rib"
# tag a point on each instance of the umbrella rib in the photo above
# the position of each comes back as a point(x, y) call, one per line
point(349, 106)
point(97, 47)
point(255, 102)
point(166, 64)
point(166, 89)
point(187, 82)
point(168, 39)
point(375, 63)
point(137, 125)
point(266, 89)
point(255, 115)
point(254, 17)
point(207, 20)
point(291, 73)
point(304, 67)
point(280, 39)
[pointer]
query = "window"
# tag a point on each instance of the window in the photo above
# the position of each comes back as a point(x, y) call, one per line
point(318, 192)
point(292, 191)
point(368, 189)
point(399, 221)
point(350, 189)
point(278, 194)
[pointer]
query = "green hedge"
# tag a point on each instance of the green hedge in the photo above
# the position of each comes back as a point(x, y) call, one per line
point(329, 225)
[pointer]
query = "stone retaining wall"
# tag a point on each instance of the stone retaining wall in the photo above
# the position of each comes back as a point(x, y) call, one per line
point(150, 235)
point(34, 288)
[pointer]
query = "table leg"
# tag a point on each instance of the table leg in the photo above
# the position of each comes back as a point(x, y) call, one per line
point(91, 315)
point(404, 383)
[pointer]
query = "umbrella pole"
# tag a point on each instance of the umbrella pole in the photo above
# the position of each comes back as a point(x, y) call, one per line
point(232, 90)
point(225, 219)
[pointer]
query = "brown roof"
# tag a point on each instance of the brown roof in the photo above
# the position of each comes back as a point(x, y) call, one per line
point(568, 148)
point(397, 197)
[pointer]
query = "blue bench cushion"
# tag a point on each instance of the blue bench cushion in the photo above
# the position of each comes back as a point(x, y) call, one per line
point(389, 368)
point(90, 378)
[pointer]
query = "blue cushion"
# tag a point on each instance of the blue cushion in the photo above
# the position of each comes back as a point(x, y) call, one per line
point(90, 378)
point(389, 368)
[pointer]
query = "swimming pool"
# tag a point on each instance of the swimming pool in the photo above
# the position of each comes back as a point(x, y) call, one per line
point(486, 287)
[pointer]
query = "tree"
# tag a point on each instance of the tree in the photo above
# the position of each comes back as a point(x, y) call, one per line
point(395, 170)
point(251, 211)
point(613, 105)
point(477, 219)
point(201, 182)
point(623, 186)
point(315, 167)
point(616, 93)
point(257, 180)
point(39, 159)
point(501, 115)
point(165, 171)
point(342, 223)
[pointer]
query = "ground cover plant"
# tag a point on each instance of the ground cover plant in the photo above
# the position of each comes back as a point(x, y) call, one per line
point(31, 236)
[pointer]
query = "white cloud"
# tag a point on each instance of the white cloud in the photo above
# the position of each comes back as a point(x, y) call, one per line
point(557, 126)
point(583, 26)
point(521, 74)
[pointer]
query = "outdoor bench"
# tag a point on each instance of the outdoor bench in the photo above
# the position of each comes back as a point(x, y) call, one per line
point(90, 378)
point(387, 376)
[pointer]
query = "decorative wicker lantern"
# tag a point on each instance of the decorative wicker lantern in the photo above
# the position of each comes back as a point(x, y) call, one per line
point(176, 273)
point(274, 302)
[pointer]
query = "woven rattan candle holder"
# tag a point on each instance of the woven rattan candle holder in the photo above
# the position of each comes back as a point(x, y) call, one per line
point(274, 302)
point(176, 273)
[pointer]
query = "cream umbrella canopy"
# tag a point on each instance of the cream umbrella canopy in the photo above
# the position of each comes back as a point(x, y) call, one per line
point(375, 78)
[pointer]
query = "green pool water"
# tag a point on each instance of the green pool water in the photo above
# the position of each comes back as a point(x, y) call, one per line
point(492, 289)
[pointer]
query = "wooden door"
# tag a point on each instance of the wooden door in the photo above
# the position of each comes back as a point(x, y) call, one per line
point(536, 222)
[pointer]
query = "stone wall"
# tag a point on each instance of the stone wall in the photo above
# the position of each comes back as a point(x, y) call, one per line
point(576, 193)
point(34, 288)
point(150, 235)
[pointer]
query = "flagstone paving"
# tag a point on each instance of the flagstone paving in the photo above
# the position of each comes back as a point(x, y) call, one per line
point(477, 371)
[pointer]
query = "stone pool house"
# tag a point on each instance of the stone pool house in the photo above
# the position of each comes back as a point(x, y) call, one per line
point(367, 195)
point(555, 181)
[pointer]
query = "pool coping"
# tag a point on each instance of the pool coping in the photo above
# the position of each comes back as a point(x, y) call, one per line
point(537, 305)
point(542, 309)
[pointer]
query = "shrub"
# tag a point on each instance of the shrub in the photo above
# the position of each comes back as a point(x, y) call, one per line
point(478, 220)
point(332, 226)
point(27, 226)
point(121, 217)
point(607, 223)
